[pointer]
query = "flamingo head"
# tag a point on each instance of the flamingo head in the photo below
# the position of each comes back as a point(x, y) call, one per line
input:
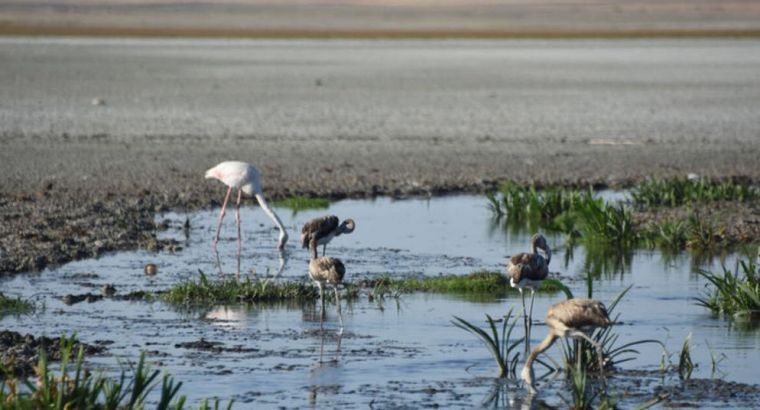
point(539, 242)
point(347, 226)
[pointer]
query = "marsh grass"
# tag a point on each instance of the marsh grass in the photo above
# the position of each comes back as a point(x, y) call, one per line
point(685, 364)
point(736, 293)
point(77, 388)
point(673, 192)
point(667, 235)
point(15, 306)
point(519, 202)
point(205, 291)
point(302, 203)
point(576, 213)
point(504, 350)
point(605, 224)
point(479, 282)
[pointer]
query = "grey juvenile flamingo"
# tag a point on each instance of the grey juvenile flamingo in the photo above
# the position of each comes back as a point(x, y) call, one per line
point(327, 271)
point(320, 231)
point(528, 270)
point(571, 318)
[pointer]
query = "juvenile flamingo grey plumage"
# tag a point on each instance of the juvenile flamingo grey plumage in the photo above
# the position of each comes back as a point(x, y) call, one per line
point(320, 231)
point(327, 271)
point(571, 318)
point(528, 270)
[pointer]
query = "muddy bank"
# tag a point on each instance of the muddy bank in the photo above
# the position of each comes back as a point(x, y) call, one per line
point(20, 353)
point(50, 219)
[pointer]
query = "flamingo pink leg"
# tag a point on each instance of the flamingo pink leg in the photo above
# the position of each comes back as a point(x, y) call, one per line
point(239, 238)
point(221, 217)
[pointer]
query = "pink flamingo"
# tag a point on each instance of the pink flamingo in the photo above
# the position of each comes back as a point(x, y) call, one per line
point(246, 179)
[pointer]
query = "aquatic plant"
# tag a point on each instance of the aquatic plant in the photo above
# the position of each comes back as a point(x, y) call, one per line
point(674, 192)
point(205, 291)
point(84, 390)
point(604, 224)
point(501, 348)
point(685, 365)
point(702, 234)
point(736, 293)
point(526, 202)
point(668, 235)
point(9, 305)
point(302, 203)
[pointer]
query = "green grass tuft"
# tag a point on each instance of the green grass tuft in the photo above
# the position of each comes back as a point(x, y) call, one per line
point(674, 192)
point(9, 305)
point(302, 203)
point(501, 348)
point(736, 293)
point(205, 291)
point(480, 282)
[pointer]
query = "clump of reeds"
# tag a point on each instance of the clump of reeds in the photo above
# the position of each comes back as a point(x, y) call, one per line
point(10, 305)
point(526, 202)
point(205, 291)
point(503, 349)
point(81, 389)
point(302, 203)
point(576, 213)
point(606, 224)
point(674, 192)
point(736, 293)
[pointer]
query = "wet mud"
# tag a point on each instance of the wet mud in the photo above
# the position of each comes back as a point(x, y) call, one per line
point(20, 353)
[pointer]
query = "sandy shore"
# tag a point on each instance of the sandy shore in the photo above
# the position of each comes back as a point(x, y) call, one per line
point(97, 134)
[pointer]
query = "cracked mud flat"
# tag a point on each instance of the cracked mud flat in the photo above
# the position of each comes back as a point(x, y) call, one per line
point(393, 352)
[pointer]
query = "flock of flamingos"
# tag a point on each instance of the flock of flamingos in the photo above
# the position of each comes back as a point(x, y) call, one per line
point(572, 318)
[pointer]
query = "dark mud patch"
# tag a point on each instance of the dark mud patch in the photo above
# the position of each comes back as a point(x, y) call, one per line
point(107, 292)
point(44, 229)
point(20, 353)
point(216, 347)
point(735, 223)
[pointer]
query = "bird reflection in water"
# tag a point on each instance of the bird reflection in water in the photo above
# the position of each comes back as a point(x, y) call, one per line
point(325, 373)
point(504, 395)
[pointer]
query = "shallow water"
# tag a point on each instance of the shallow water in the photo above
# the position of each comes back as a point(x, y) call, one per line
point(392, 352)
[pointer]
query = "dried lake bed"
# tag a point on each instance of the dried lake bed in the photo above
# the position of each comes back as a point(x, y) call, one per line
point(393, 352)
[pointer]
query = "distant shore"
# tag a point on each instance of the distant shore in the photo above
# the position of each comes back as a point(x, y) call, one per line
point(11, 29)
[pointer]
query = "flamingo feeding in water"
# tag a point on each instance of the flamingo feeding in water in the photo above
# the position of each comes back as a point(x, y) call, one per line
point(327, 271)
point(571, 318)
point(528, 270)
point(246, 179)
point(320, 231)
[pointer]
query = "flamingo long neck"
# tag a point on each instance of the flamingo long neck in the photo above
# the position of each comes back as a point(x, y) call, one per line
point(545, 344)
point(273, 216)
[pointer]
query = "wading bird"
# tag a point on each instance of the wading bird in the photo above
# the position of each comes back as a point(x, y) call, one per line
point(320, 231)
point(327, 271)
point(571, 318)
point(528, 270)
point(246, 179)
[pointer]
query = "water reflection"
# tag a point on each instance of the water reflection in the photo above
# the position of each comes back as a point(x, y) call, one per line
point(325, 374)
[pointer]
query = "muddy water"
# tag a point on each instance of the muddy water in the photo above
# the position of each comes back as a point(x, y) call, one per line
point(393, 352)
